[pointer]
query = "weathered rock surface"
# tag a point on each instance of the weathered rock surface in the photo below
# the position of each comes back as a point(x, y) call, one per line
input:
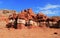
point(26, 14)
point(4, 15)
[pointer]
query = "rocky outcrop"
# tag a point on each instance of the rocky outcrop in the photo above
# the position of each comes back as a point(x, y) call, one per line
point(4, 15)
point(41, 16)
point(26, 15)
point(41, 19)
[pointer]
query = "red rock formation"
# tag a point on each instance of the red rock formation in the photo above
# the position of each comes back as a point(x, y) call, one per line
point(27, 15)
point(41, 16)
point(21, 15)
point(31, 12)
point(55, 19)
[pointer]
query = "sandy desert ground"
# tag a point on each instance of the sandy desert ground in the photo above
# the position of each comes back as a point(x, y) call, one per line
point(30, 33)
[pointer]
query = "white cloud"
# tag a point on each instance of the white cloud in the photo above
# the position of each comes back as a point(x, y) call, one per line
point(48, 12)
point(50, 6)
point(48, 9)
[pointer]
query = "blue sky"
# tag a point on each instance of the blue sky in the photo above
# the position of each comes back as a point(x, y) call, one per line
point(48, 7)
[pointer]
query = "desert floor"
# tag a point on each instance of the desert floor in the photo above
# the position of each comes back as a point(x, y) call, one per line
point(30, 33)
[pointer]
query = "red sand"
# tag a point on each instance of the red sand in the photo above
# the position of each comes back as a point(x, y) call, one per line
point(29, 33)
